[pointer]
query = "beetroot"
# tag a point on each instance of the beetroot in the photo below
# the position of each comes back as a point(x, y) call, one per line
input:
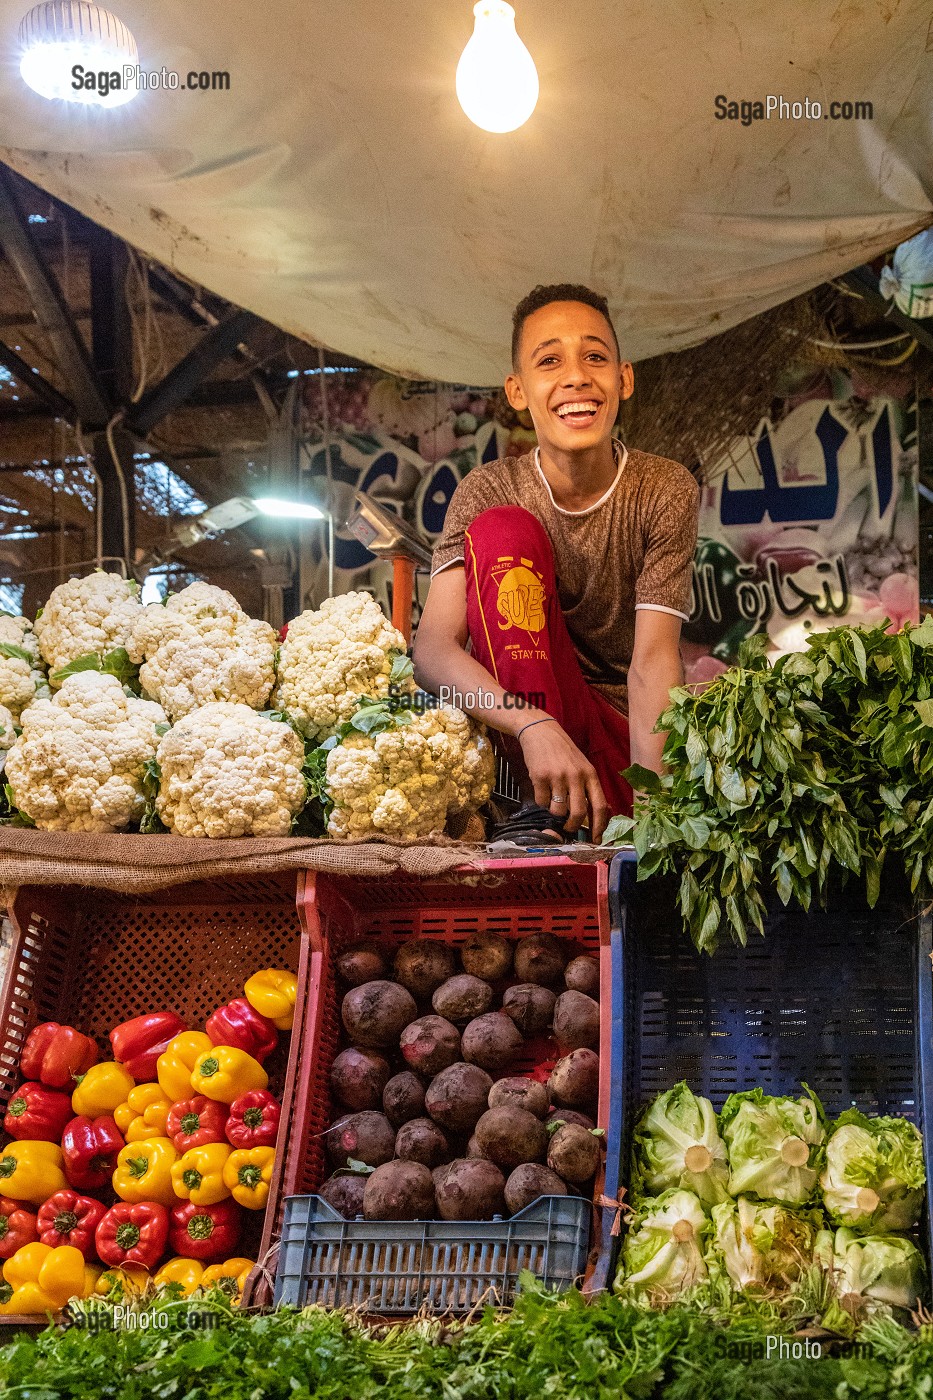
point(573, 1153)
point(344, 1193)
point(399, 1191)
point(363, 962)
point(364, 1137)
point(421, 1140)
point(461, 998)
point(520, 1092)
point(430, 1044)
point(510, 1136)
point(576, 1021)
point(376, 1013)
point(540, 958)
point(531, 1007)
point(582, 975)
point(422, 965)
point(487, 955)
point(529, 1181)
point(470, 1189)
point(457, 1097)
point(574, 1080)
point(403, 1098)
point(491, 1041)
point(358, 1077)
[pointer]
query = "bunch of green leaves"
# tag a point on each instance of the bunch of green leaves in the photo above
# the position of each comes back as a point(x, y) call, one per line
point(115, 663)
point(371, 718)
point(816, 767)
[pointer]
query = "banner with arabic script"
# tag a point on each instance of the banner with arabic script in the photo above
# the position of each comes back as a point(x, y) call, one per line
point(810, 523)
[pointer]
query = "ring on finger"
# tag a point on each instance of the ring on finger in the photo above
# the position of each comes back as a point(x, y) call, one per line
point(558, 798)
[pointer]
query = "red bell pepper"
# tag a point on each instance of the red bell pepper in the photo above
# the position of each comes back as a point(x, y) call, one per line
point(67, 1218)
point(254, 1119)
point(17, 1226)
point(132, 1232)
point(37, 1113)
point(89, 1149)
point(56, 1055)
point(196, 1122)
point(239, 1025)
point(204, 1232)
point(137, 1044)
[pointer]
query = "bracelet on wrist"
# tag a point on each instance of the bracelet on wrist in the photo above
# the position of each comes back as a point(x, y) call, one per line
point(548, 719)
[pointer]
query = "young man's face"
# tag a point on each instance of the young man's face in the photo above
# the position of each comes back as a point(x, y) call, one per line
point(569, 376)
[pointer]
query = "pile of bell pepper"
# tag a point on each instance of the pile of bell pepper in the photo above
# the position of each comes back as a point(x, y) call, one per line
point(141, 1166)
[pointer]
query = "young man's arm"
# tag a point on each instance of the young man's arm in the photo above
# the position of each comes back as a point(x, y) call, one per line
point(655, 667)
point(554, 763)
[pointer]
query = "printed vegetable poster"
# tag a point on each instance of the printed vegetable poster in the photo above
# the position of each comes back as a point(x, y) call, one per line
point(810, 523)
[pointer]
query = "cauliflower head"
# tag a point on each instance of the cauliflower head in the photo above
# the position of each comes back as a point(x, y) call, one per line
point(332, 657)
point(200, 647)
point(404, 781)
point(22, 674)
point(79, 763)
point(87, 616)
point(227, 770)
point(7, 729)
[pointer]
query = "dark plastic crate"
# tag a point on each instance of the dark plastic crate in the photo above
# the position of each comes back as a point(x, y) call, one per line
point(840, 998)
point(444, 1266)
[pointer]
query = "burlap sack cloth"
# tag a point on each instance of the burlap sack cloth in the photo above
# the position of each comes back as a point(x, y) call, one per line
point(129, 864)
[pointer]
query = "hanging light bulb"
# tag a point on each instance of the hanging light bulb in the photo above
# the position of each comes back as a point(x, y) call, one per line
point(62, 38)
point(497, 82)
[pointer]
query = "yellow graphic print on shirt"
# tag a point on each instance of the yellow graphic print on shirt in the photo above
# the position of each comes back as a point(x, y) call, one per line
point(521, 598)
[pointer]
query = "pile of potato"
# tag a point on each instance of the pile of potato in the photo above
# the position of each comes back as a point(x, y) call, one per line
point(429, 1130)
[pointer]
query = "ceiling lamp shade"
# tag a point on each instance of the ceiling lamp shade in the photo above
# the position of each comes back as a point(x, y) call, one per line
point(73, 50)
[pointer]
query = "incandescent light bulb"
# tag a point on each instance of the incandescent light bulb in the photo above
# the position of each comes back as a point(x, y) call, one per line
point(497, 82)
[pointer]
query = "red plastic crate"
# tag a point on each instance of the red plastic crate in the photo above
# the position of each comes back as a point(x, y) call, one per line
point(514, 898)
point(92, 959)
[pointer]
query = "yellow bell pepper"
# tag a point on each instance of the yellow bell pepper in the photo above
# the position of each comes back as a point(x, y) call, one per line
point(174, 1067)
point(130, 1280)
point(224, 1073)
point(92, 1273)
point(247, 1174)
point(272, 993)
point(144, 1113)
point(187, 1272)
point(43, 1278)
point(236, 1269)
point(144, 1171)
point(32, 1171)
point(102, 1089)
point(198, 1175)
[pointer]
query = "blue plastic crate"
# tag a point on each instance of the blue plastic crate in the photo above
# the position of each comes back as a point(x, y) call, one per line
point(397, 1268)
point(840, 998)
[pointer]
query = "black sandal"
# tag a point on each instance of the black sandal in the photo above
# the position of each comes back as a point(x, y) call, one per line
point(531, 825)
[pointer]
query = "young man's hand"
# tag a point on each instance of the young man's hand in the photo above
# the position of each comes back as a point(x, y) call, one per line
point(564, 780)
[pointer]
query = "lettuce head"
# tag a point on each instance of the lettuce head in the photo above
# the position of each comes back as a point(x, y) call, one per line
point(663, 1253)
point(885, 1268)
point(761, 1245)
point(677, 1144)
point(775, 1145)
point(874, 1176)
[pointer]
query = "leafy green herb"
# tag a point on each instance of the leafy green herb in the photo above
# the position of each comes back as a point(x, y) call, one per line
point(151, 823)
point(816, 768)
point(115, 663)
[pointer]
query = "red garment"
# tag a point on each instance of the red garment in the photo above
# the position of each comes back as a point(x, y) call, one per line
point(517, 631)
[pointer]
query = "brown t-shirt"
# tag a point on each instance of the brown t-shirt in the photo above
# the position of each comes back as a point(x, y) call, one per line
point(632, 549)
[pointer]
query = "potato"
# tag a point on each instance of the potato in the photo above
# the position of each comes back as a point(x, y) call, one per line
point(399, 1191)
point(364, 962)
point(462, 997)
point(457, 1097)
point(376, 1013)
point(576, 1021)
point(531, 1007)
point(344, 1194)
point(520, 1092)
point(573, 1153)
point(529, 1181)
point(574, 1081)
point(358, 1077)
point(487, 955)
point(430, 1044)
point(491, 1041)
point(366, 1137)
point(540, 958)
point(470, 1189)
point(403, 1098)
point(582, 975)
point(510, 1136)
point(569, 1115)
point(423, 965)
point(421, 1140)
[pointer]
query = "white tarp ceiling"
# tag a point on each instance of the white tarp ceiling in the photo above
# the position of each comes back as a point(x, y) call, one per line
point(338, 190)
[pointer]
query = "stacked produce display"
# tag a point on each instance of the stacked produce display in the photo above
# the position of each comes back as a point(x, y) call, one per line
point(189, 716)
point(437, 1122)
point(145, 1166)
point(757, 1198)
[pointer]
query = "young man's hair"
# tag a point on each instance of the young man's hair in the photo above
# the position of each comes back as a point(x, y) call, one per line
point(558, 291)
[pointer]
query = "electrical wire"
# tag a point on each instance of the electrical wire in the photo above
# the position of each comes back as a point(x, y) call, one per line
point(325, 423)
point(858, 344)
point(121, 481)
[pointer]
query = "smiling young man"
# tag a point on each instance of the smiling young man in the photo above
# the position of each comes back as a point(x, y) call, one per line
point(562, 577)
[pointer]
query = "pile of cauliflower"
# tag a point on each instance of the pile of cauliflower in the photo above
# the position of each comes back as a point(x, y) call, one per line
point(115, 716)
